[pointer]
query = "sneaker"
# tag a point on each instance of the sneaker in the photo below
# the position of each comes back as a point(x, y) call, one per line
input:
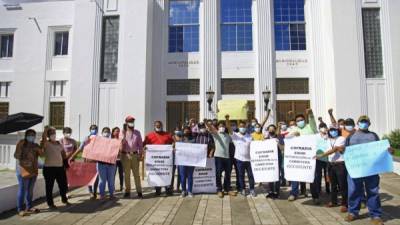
point(232, 193)
point(270, 195)
point(343, 209)
point(291, 198)
point(183, 194)
point(220, 194)
point(190, 195)
point(243, 192)
point(376, 221)
point(316, 201)
point(350, 217)
point(93, 197)
point(22, 214)
point(253, 193)
point(140, 195)
point(66, 203)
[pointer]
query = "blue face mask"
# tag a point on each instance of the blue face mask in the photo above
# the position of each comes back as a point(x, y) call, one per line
point(363, 125)
point(301, 123)
point(93, 132)
point(334, 133)
point(242, 130)
point(30, 139)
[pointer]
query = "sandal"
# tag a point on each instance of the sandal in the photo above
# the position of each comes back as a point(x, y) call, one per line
point(33, 210)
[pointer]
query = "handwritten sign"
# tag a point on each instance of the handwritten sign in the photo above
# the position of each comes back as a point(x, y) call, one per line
point(322, 147)
point(102, 149)
point(264, 160)
point(159, 162)
point(81, 174)
point(187, 154)
point(368, 159)
point(204, 180)
point(236, 108)
point(298, 162)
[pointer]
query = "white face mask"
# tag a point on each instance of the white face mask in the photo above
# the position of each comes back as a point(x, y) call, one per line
point(283, 127)
point(67, 135)
point(221, 129)
point(257, 129)
point(341, 126)
point(105, 134)
point(242, 130)
point(253, 124)
point(203, 130)
point(157, 129)
point(323, 130)
point(53, 137)
point(131, 124)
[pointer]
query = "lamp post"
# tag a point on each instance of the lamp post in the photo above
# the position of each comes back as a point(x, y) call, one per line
point(210, 97)
point(266, 95)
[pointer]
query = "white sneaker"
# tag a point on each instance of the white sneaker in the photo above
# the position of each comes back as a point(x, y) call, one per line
point(243, 192)
point(183, 194)
point(190, 195)
point(253, 193)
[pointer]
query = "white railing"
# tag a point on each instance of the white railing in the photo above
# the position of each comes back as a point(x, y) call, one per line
point(7, 160)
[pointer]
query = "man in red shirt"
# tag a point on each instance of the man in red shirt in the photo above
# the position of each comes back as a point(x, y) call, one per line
point(160, 137)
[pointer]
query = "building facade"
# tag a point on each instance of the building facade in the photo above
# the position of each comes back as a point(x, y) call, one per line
point(95, 61)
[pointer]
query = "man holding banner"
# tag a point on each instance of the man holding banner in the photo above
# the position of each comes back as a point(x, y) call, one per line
point(359, 154)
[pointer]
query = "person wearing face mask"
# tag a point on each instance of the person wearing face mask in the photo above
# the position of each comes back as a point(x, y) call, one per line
point(204, 137)
point(349, 128)
point(27, 153)
point(274, 187)
point(223, 163)
point(115, 135)
point(185, 173)
point(302, 128)
point(242, 140)
point(337, 169)
point(131, 155)
point(69, 144)
point(159, 137)
point(282, 131)
point(106, 172)
point(53, 169)
point(356, 185)
point(93, 130)
point(257, 135)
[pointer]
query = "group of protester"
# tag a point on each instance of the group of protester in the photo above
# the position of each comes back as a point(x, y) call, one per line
point(228, 142)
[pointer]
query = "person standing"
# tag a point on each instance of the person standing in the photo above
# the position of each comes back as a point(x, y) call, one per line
point(115, 135)
point(131, 155)
point(69, 144)
point(26, 153)
point(302, 128)
point(274, 187)
point(371, 183)
point(186, 172)
point(223, 163)
point(205, 137)
point(337, 168)
point(159, 137)
point(54, 169)
point(242, 140)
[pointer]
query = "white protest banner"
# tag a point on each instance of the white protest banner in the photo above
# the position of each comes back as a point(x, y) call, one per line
point(187, 154)
point(159, 162)
point(264, 160)
point(299, 163)
point(204, 180)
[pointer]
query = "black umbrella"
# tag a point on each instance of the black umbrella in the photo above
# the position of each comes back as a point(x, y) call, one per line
point(19, 121)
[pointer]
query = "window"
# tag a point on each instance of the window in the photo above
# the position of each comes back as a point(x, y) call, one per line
point(372, 43)
point(292, 86)
point(183, 32)
point(57, 88)
point(6, 45)
point(61, 43)
point(57, 113)
point(236, 27)
point(290, 32)
point(237, 86)
point(4, 89)
point(109, 67)
point(183, 87)
point(4, 106)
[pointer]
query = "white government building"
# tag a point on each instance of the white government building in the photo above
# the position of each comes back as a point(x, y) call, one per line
point(96, 61)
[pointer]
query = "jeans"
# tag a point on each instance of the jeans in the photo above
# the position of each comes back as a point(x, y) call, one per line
point(356, 192)
point(235, 167)
point(338, 175)
point(281, 168)
point(186, 173)
point(25, 191)
point(178, 181)
point(242, 168)
point(295, 188)
point(223, 165)
point(106, 175)
point(58, 174)
point(316, 185)
point(120, 169)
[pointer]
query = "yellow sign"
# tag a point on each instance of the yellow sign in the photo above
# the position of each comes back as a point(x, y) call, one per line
point(235, 108)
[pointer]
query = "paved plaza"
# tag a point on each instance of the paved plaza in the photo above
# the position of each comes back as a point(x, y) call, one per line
point(203, 209)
